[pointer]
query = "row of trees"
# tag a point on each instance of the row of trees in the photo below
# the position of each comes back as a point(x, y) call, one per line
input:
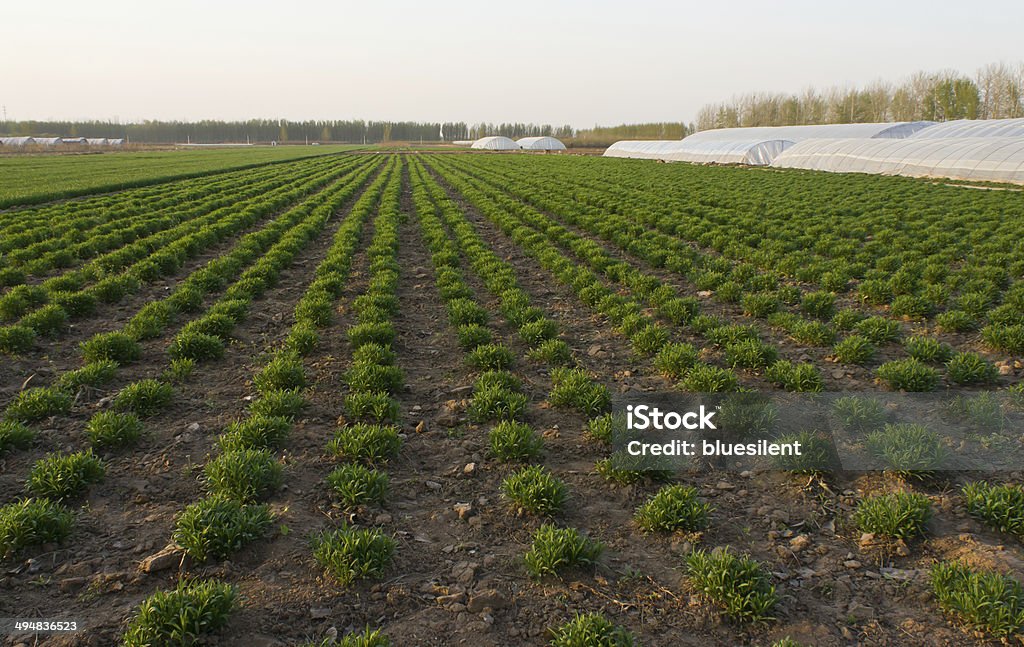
point(253, 130)
point(352, 131)
point(995, 91)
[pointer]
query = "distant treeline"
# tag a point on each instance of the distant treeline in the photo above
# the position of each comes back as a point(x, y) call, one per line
point(352, 132)
point(995, 91)
point(279, 130)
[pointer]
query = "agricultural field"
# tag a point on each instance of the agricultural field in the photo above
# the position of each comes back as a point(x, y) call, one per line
point(29, 179)
point(362, 397)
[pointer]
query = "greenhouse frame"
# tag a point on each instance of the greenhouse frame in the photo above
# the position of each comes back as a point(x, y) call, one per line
point(753, 153)
point(988, 159)
point(495, 143)
point(973, 128)
point(891, 130)
point(540, 144)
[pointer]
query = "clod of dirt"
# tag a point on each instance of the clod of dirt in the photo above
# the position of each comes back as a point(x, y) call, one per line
point(490, 599)
point(169, 557)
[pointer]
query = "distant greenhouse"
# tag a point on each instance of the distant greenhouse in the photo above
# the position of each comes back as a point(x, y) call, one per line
point(495, 143)
point(756, 146)
point(973, 128)
point(753, 152)
point(97, 141)
point(891, 130)
point(46, 141)
point(540, 144)
point(17, 141)
point(988, 159)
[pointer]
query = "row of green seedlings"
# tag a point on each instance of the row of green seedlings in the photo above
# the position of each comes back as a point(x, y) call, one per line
point(256, 257)
point(531, 489)
point(66, 476)
point(656, 250)
point(246, 472)
point(912, 289)
point(572, 387)
point(368, 437)
point(858, 348)
point(134, 259)
point(766, 301)
point(873, 514)
point(102, 207)
point(678, 361)
point(73, 235)
point(738, 583)
point(498, 398)
point(348, 553)
point(44, 310)
point(40, 230)
point(673, 508)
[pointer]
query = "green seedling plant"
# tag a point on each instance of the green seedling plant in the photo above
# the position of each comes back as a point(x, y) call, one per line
point(555, 550)
point(535, 490)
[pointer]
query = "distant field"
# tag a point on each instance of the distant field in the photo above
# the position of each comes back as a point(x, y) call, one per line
point(39, 178)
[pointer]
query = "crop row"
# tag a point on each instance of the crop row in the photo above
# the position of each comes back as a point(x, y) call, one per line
point(803, 326)
point(60, 235)
point(44, 310)
point(959, 272)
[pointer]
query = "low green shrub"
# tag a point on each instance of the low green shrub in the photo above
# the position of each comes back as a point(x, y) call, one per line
point(738, 584)
point(349, 554)
point(364, 442)
point(357, 485)
point(217, 526)
point(558, 549)
point(64, 476)
point(181, 616)
point(514, 441)
point(674, 507)
point(901, 515)
point(983, 599)
point(591, 630)
point(535, 490)
point(244, 474)
point(31, 522)
point(110, 429)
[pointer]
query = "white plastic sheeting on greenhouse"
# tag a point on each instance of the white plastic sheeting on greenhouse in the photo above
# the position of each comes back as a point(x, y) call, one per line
point(17, 141)
point(973, 128)
point(46, 141)
point(540, 144)
point(97, 141)
point(115, 142)
point(753, 153)
point(496, 143)
point(893, 130)
point(991, 159)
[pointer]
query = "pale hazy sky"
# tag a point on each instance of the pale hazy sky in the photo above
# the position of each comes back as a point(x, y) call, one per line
point(547, 61)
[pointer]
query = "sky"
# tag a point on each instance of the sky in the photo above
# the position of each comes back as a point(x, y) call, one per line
point(570, 62)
